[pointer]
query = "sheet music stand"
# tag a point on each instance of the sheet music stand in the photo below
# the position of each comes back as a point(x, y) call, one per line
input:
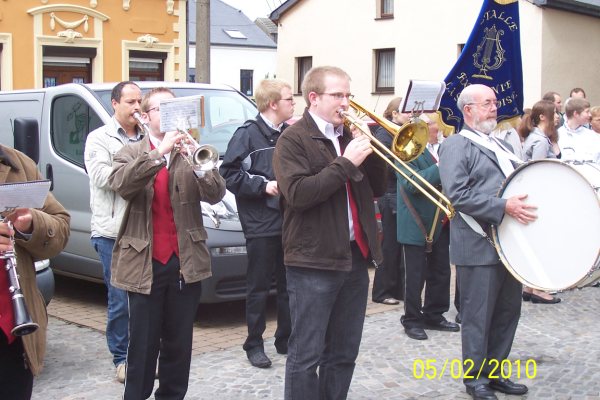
point(423, 97)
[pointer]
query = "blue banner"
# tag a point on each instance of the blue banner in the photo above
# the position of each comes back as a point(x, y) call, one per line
point(492, 57)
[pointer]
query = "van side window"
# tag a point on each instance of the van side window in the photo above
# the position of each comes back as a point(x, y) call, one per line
point(72, 120)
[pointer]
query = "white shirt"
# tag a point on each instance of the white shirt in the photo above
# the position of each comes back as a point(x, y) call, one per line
point(333, 133)
point(270, 124)
point(433, 149)
point(581, 144)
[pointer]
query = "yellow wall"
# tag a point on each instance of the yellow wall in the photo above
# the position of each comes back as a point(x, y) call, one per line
point(111, 28)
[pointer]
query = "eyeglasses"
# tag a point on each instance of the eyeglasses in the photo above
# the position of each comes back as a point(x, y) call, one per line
point(487, 104)
point(157, 108)
point(340, 96)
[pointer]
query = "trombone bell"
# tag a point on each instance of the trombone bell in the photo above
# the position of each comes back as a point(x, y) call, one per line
point(409, 141)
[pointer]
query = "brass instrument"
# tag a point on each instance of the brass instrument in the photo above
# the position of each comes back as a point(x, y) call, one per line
point(23, 323)
point(202, 157)
point(409, 141)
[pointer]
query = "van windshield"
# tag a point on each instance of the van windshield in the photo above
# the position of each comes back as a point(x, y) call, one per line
point(224, 110)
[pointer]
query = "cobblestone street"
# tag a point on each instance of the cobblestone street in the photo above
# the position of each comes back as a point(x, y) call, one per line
point(561, 339)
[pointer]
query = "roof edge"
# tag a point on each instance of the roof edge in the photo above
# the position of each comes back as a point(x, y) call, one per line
point(277, 13)
point(574, 6)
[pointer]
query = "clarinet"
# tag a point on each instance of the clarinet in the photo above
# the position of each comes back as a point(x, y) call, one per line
point(23, 323)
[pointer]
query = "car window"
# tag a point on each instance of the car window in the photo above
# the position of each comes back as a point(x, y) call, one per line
point(225, 111)
point(72, 120)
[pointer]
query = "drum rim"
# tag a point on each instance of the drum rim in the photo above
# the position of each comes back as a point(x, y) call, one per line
point(495, 238)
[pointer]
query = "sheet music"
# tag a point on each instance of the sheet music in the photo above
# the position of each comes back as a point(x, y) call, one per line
point(423, 96)
point(185, 113)
point(23, 195)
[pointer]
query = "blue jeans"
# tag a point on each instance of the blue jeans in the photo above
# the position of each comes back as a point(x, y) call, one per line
point(117, 324)
point(328, 313)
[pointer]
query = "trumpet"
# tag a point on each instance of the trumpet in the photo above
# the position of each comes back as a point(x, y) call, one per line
point(201, 157)
point(23, 323)
point(409, 141)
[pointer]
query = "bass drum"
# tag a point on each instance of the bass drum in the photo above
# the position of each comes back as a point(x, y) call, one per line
point(561, 249)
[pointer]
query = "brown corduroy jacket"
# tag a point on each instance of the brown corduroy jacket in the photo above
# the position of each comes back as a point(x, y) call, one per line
point(49, 236)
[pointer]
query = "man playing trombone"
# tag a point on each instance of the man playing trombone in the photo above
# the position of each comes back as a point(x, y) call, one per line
point(328, 181)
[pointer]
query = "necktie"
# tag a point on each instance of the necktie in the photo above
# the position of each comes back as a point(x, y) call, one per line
point(359, 235)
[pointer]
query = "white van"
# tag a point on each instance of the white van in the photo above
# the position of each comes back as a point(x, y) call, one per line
point(66, 114)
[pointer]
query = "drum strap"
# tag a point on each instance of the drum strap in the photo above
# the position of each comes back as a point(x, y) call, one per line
point(476, 227)
point(503, 155)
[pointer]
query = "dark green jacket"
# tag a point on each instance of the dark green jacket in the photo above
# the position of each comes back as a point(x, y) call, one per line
point(408, 230)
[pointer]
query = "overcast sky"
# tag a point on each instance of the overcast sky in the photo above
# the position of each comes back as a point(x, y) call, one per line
point(255, 8)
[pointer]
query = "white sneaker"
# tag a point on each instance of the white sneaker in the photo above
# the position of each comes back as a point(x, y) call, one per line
point(121, 370)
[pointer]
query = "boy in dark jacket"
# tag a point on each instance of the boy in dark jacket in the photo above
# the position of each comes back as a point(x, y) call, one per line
point(248, 170)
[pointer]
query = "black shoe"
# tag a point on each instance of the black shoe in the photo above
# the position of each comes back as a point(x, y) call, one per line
point(481, 392)
point(416, 333)
point(597, 284)
point(540, 300)
point(526, 296)
point(282, 348)
point(458, 319)
point(258, 358)
point(443, 325)
point(507, 386)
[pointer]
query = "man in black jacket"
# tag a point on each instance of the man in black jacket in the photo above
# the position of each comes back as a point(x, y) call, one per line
point(248, 169)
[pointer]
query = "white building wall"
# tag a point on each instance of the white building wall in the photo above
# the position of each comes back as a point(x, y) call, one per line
point(426, 35)
point(226, 63)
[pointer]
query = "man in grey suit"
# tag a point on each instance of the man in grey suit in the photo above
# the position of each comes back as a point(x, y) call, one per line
point(472, 168)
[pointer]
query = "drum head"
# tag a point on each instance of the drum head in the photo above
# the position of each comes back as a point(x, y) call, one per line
point(562, 246)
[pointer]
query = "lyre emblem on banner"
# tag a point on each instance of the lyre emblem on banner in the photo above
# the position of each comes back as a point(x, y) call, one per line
point(489, 47)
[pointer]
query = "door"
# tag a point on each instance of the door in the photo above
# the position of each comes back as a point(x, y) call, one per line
point(57, 75)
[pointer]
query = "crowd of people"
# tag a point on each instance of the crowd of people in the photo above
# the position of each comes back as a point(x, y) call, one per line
point(305, 200)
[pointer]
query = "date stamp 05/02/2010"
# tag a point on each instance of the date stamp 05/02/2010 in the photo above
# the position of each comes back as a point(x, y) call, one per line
point(432, 368)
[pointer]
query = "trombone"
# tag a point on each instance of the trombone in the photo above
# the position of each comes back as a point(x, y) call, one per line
point(409, 141)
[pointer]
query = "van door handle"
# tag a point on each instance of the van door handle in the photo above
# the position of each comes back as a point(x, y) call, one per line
point(50, 175)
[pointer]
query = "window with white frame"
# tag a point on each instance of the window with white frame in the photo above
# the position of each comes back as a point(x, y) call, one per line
point(384, 70)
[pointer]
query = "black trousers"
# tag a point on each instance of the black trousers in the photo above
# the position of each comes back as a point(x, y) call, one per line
point(162, 320)
point(432, 271)
point(16, 380)
point(265, 259)
point(388, 281)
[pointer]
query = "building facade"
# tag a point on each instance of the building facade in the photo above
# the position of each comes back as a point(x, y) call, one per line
point(383, 44)
point(46, 43)
point(241, 53)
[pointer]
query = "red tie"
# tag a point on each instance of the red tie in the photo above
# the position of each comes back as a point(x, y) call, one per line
point(359, 235)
